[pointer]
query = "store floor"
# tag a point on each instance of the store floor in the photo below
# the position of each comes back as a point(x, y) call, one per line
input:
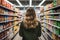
point(17, 37)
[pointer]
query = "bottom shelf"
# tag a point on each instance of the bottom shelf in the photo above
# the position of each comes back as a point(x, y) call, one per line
point(14, 36)
point(51, 35)
point(45, 36)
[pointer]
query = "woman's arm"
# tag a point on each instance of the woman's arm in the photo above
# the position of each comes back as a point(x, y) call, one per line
point(21, 29)
point(39, 30)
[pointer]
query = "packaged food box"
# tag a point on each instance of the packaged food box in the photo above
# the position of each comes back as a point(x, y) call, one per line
point(56, 17)
point(42, 9)
point(11, 13)
point(1, 36)
point(50, 5)
point(1, 11)
point(10, 24)
point(6, 18)
point(57, 31)
point(51, 21)
point(58, 24)
point(8, 5)
point(4, 3)
point(52, 16)
point(54, 36)
point(54, 2)
point(5, 12)
point(5, 26)
point(1, 18)
point(1, 27)
point(58, 2)
point(0, 2)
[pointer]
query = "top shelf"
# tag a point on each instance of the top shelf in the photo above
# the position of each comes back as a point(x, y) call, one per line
point(5, 8)
point(54, 8)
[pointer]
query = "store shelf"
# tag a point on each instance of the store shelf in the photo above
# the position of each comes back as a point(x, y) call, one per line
point(52, 31)
point(48, 34)
point(53, 25)
point(54, 8)
point(44, 35)
point(14, 36)
point(52, 19)
point(8, 15)
point(5, 8)
point(52, 14)
point(4, 37)
point(41, 14)
point(6, 29)
point(8, 21)
point(42, 21)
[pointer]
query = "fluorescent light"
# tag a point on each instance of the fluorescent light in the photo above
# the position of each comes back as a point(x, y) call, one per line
point(28, 6)
point(30, 3)
point(42, 2)
point(19, 2)
point(9, 2)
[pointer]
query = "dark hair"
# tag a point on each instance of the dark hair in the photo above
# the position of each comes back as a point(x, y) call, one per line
point(30, 18)
point(31, 12)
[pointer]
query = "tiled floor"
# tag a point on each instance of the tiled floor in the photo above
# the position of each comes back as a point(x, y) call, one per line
point(20, 38)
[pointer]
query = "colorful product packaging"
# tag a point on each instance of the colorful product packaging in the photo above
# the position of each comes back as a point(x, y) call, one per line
point(1, 11)
point(1, 27)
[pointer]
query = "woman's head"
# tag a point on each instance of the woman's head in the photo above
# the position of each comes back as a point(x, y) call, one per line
point(30, 14)
point(30, 18)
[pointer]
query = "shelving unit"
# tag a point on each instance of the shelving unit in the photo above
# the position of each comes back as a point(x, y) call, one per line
point(53, 25)
point(51, 21)
point(44, 35)
point(53, 14)
point(48, 34)
point(9, 21)
point(54, 8)
point(8, 15)
point(5, 8)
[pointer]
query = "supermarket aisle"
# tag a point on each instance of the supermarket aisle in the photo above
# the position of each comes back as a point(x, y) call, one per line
point(20, 38)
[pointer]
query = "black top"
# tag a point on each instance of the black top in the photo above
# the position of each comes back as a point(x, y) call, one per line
point(30, 33)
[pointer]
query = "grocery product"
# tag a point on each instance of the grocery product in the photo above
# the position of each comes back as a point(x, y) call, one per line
point(54, 2)
point(1, 27)
point(54, 36)
point(1, 11)
point(5, 26)
point(5, 17)
point(1, 18)
point(11, 13)
point(58, 24)
point(0, 2)
point(10, 18)
point(5, 12)
point(58, 2)
point(57, 31)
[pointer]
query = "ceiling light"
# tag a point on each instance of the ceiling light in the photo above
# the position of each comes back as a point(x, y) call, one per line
point(42, 2)
point(9, 2)
point(19, 2)
point(30, 3)
point(28, 6)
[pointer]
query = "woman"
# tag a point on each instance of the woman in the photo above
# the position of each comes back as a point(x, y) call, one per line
point(30, 28)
